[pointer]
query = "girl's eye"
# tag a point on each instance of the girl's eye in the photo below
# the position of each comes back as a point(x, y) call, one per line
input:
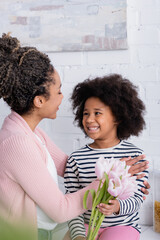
point(97, 113)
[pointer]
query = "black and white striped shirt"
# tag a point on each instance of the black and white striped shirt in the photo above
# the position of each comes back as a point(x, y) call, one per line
point(80, 171)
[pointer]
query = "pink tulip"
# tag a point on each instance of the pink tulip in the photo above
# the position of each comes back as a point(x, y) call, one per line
point(99, 168)
point(103, 165)
point(115, 186)
point(121, 184)
point(129, 187)
point(120, 168)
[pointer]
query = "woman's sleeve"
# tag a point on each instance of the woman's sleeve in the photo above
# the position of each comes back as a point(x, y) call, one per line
point(24, 163)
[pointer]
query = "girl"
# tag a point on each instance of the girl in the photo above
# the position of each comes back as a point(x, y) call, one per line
point(109, 111)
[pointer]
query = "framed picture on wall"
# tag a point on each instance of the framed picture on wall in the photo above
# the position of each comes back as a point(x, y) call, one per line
point(67, 25)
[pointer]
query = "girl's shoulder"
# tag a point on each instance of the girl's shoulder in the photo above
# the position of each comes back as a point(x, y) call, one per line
point(79, 152)
point(126, 145)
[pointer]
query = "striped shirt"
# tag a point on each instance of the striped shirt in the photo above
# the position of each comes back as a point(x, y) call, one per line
point(80, 171)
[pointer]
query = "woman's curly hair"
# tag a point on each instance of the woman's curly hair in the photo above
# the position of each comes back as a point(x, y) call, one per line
point(120, 95)
point(24, 73)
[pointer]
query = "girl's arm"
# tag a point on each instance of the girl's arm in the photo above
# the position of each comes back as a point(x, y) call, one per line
point(71, 182)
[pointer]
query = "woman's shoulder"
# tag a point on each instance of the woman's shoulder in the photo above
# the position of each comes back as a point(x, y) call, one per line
point(15, 141)
point(9, 136)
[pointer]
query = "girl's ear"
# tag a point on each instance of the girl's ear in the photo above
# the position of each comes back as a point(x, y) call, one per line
point(38, 101)
point(116, 122)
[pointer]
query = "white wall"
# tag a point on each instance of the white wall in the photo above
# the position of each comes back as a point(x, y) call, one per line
point(140, 63)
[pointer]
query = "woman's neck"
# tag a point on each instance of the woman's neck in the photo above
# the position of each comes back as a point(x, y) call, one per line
point(32, 120)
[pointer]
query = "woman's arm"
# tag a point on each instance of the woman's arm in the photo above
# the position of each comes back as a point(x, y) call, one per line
point(25, 164)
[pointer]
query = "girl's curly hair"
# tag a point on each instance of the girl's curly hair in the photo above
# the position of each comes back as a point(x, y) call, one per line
point(24, 73)
point(120, 95)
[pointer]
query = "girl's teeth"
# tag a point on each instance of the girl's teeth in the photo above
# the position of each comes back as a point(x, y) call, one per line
point(93, 128)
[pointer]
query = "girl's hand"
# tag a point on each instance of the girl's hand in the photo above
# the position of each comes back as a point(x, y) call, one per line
point(136, 167)
point(109, 209)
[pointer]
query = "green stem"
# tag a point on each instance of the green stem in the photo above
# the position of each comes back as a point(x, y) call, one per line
point(97, 193)
point(101, 194)
point(100, 220)
point(97, 217)
point(93, 225)
point(94, 234)
point(90, 221)
point(93, 208)
point(94, 219)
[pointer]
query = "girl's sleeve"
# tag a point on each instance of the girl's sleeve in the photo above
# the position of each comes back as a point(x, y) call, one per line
point(71, 182)
point(26, 167)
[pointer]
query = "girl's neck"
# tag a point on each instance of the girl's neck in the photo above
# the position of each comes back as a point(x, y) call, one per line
point(100, 144)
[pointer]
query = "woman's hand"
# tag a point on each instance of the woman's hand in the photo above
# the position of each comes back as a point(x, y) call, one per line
point(109, 209)
point(144, 189)
point(136, 167)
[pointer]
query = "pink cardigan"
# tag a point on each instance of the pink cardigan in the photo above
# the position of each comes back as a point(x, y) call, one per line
point(25, 180)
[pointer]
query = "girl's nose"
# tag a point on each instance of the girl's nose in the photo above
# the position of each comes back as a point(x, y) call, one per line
point(90, 119)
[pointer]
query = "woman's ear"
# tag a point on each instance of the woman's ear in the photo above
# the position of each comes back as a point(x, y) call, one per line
point(38, 101)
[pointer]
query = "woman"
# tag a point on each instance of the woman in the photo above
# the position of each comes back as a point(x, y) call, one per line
point(30, 161)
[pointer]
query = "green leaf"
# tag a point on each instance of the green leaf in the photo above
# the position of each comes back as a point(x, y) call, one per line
point(107, 180)
point(85, 199)
point(101, 193)
point(93, 193)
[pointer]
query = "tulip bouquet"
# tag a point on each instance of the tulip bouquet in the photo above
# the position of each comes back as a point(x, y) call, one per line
point(115, 182)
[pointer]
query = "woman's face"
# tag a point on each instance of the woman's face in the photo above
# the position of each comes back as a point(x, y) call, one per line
point(51, 106)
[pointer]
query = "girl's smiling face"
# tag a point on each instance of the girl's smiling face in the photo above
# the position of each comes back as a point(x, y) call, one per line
point(99, 122)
